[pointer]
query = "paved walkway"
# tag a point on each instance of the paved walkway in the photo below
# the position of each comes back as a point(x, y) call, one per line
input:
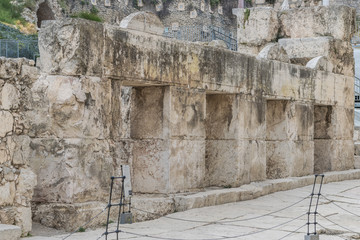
point(339, 219)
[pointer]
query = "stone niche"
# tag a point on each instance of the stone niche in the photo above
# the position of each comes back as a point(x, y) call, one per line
point(223, 166)
point(288, 126)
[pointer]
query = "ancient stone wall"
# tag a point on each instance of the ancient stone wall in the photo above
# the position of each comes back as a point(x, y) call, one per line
point(182, 115)
point(17, 180)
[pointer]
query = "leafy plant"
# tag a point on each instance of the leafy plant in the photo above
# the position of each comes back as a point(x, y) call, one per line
point(9, 12)
point(246, 16)
point(94, 10)
point(81, 229)
point(88, 16)
point(214, 3)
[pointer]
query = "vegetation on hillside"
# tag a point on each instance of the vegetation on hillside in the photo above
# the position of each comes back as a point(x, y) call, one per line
point(92, 15)
point(10, 14)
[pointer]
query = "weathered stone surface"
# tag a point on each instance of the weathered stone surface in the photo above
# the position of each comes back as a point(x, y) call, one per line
point(256, 26)
point(218, 44)
point(273, 51)
point(23, 219)
point(144, 22)
point(187, 165)
point(318, 21)
point(10, 97)
point(339, 53)
point(9, 232)
point(357, 162)
point(7, 122)
point(151, 166)
point(7, 193)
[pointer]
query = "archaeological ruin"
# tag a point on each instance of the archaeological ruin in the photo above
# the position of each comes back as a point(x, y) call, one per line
point(184, 116)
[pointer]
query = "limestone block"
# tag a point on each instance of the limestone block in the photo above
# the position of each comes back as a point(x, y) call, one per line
point(9, 68)
point(77, 107)
point(249, 50)
point(20, 153)
point(160, 206)
point(221, 116)
point(344, 122)
point(9, 232)
point(187, 165)
point(151, 166)
point(289, 158)
point(222, 163)
point(187, 113)
point(344, 159)
point(251, 123)
point(23, 219)
point(324, 151)
point(304, 115)
point(10, 97)
point(281, 120)
point(7, 122)
point(357, 148)
point(71, 170)
point(7, 215)
point(252, 155)
point(144, 22)
point(336, 21)
point(324, 122)
point(357, 162)
point(303, 163)
point(257, 28)
point(147, 114)
point(339, 53)
point(344, 91)
point(320, 63)
point(60, 46)
point(25, 187)
point(31, 72)
point(72, 215)
point(324, 85)
point(273, 51)
point(7, 193)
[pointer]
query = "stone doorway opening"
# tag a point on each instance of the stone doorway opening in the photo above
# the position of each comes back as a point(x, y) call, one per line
point(221, 151)
point(323, 132)
point(44, 12)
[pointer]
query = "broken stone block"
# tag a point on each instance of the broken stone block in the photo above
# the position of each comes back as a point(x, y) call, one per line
point(339, 53)
point(273, 51)
point(143, 21)
point(9, 232)
point(256, 26)
point(335, 21)
point(7, 193)
point(320, 63)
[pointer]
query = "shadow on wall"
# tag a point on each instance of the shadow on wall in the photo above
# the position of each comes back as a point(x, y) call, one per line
point(44, 13)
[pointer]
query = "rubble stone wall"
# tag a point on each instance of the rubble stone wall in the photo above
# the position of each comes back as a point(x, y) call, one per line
point(17, 180)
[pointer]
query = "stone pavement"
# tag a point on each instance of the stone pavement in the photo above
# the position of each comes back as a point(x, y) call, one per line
point(342, 219)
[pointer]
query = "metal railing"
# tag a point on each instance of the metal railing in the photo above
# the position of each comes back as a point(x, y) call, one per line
point(19, 48)
point(201, 33)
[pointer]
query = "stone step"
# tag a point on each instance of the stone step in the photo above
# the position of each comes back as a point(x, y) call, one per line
point(357, 162)
point(9, 232)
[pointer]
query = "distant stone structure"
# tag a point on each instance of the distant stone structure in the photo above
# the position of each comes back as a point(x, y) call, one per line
point(183, 116)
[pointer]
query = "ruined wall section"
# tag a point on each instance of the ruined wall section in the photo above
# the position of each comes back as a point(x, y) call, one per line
point(17, 179)
point(304, 33)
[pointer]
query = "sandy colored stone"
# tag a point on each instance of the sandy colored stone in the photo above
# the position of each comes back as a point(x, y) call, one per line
point(7, 121)
point(258, 27)
point(7, 193)
point(335, 21)
point(9, 232)
point(273, 51)
point(143, 21)
point(321, 63)
point(10, 97)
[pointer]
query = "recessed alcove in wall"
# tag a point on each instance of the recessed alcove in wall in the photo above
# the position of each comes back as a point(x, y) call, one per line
point(323, 143)
point(221, 151)
point(278, 149)
point(44, 12)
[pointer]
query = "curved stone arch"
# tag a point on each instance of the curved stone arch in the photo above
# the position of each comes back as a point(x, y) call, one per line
point(44, 12)
point(144, 22)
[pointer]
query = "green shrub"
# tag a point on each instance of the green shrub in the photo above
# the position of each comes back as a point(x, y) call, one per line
point(88, 16)
point(9, 13)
